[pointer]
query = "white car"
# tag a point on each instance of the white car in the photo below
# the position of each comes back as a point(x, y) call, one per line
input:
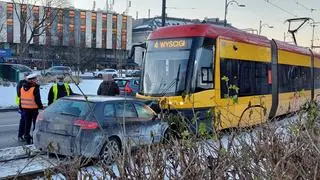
point(99, 74)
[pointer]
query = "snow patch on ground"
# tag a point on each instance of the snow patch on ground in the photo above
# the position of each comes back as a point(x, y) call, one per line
point(12, 153)
point(26, 166)
point(8, 94)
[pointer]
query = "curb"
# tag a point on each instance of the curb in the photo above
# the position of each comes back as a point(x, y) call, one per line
point(9, 109)
point(16, 109)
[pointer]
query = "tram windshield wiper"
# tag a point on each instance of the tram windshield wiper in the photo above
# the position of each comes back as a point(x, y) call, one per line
point(175, 81)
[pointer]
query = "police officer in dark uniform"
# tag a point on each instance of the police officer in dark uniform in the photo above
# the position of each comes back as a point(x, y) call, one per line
point(30, 103)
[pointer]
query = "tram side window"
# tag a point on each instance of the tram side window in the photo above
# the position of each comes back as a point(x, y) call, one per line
point(250, 77)
point(294, 78)
point(229, 69)
point(253, 78)
point(262, 82)
point(284, 80)
point(317, 78)
point(305, 78)
point(204, 68)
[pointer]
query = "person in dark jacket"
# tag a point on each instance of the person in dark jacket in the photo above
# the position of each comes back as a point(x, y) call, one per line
point(108, 87)
point(30, 103)
point(59, 90)
point(21, 123)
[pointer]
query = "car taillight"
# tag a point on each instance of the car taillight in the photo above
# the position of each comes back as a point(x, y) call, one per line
point(127, 88)
point(40, 116)
point(83, 124)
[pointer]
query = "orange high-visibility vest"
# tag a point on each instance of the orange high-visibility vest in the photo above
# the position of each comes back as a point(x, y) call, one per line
point(27, 99)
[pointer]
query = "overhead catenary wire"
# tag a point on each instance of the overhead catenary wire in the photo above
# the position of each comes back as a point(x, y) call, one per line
point(302, 5)
point(282, 9)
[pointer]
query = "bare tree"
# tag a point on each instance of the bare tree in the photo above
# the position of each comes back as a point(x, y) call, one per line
point(2, 25)
point(33, 23)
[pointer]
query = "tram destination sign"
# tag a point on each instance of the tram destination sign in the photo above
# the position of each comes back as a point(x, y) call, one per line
point(170, 44)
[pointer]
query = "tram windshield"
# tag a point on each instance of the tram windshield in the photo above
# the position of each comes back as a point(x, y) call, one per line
point(167, 64)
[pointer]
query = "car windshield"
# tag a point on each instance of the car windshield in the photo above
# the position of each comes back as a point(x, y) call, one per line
point(21, 68)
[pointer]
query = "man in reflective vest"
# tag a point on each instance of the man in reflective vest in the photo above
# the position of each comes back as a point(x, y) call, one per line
point(21, 124)
point(59, 90)
point(30, 103)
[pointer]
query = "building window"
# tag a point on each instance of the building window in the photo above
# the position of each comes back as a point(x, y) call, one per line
point(93, 29)
point(114, 31)
point(124, 33)
point(60, 27)
point(124, 22)
point(71, 28)
point(35, 11)
point(48, 26)
point(104, 30)
point(10, 22)
point(82, 28)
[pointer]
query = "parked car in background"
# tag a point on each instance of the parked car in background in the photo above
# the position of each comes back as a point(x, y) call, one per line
point(136, 73)
point(99, 74)
point(128, 86)
point(58, 70)
point(123, 72)
point(22, 68)
point(75, 127)
point(14, 72)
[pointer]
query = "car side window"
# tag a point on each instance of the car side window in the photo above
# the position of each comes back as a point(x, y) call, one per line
point(108, 110)
point(144, 113)
point(126, 110)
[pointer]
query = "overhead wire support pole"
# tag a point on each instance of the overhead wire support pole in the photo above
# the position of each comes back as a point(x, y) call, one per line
point(314, 24)
point(164, 13)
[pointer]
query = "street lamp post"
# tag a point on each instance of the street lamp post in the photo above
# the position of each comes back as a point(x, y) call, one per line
point(227, 3)
point(262, 25)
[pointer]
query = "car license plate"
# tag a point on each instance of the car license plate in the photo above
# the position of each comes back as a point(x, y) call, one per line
point(59, 126)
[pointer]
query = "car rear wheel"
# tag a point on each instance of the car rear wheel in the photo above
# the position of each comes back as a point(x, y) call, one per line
point(110, 151)
point(99, 75)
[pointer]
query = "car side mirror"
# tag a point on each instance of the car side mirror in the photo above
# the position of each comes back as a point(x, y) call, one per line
point(156, 117)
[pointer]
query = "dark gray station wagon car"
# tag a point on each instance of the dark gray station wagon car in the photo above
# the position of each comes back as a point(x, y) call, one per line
point(72, 126)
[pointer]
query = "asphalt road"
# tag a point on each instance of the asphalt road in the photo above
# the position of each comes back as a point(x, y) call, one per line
point(9, 123)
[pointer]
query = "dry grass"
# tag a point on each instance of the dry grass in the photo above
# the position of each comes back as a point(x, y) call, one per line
point(270, 151)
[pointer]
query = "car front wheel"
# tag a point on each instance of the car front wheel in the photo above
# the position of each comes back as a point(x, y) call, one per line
point(99, 75)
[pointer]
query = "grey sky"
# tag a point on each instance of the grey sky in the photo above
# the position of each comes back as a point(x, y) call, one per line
point(247, 17)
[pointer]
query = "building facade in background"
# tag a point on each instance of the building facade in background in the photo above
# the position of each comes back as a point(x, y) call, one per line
point(91, 38)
